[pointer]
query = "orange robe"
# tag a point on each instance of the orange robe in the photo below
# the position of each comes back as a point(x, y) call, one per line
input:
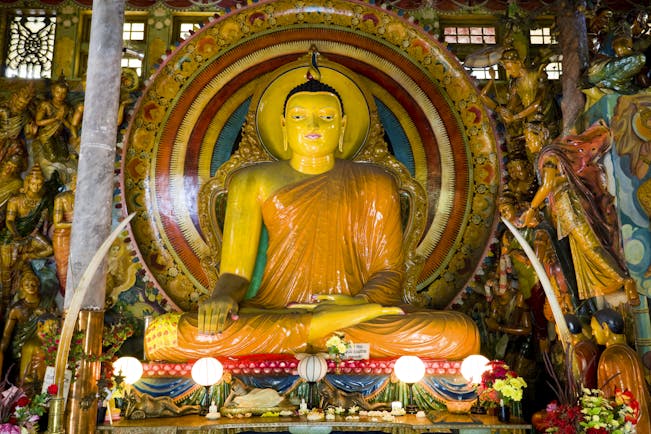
point(335, 233)
point(620, 367)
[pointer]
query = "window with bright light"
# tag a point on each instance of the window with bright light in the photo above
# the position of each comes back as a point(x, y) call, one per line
point(554, 68)
point(475, 35)
point(134, 31)
point(133, 35)
point(187, 23)
point(483, 73)
point(185, 29)
point(30, 46)
point(542, 36)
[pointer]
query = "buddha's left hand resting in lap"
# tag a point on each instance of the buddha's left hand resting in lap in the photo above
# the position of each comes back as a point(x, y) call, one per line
point(334, 256)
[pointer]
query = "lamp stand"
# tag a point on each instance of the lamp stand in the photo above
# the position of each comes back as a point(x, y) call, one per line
point(477, 408)
point(205, 402)
point(411, 408)
point(312, 395)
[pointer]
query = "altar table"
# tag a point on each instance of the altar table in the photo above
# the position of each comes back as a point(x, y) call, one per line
point(436, 422)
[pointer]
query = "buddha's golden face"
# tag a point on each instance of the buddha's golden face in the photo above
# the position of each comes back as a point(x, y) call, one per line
point(313, 124)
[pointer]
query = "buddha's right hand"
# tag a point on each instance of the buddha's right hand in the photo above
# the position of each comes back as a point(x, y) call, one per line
point(222, 304)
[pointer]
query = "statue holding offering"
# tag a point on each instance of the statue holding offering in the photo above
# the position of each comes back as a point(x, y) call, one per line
point(334, 261)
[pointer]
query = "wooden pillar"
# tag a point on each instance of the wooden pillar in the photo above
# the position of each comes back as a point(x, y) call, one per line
point(94, 196)
point(573, 40)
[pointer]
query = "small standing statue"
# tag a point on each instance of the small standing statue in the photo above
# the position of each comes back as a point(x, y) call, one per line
point(10, 182)
point(20, 319)
point(16, 124)
point(64, 204)
point(33, 353)
point(529, 112)
point(56, 144)
point(23, 238)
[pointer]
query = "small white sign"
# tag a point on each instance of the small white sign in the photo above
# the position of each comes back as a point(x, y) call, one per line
point(358, 352)
point(49, 379)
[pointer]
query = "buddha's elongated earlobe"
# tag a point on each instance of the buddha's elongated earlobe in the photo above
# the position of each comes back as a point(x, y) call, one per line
point(284, 130)
point(340, 146)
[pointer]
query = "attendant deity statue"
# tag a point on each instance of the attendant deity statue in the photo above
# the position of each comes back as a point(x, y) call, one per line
point(10, 182)
point(600, 31)
point(529, 112)
point(34, 351)
point(335, 261)
point(64, 204)
point(509, 317)
point(620, 367)
point(617, 73)
point(573, 183)
point(56, 145)
point(521, 181)
point(23, 238)
point(513, 260)
point(19, 323)
point(16, 124)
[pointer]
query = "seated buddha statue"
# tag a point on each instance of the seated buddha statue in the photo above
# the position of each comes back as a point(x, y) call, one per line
point(620, 367)
point(334, 255)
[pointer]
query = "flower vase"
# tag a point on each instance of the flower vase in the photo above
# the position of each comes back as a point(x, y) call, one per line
point(338, 365)
point(504, 413)
point(56, 416)
point(101, 415)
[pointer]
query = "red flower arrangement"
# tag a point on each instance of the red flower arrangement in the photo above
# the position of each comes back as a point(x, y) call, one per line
point(500, 383)
point(18, 411)
point(561, 418)
point(593, 414)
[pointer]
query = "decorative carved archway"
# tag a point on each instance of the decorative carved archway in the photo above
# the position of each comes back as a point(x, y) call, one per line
point(188, 119)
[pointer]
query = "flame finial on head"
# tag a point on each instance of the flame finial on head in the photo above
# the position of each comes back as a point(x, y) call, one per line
point(313, 72)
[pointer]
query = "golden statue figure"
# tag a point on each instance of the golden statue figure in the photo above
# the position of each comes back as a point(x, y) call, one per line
point(19, 324)
point(23, 239)
point(64, 206)
point(34, 351)
point(10, 182)
point(334, 260)
point(56, 144)
point(582, 209)
point(620, 367)
point(16, 124)
point(529, 111)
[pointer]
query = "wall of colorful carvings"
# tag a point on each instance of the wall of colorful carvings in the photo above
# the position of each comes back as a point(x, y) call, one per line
point(580, 198)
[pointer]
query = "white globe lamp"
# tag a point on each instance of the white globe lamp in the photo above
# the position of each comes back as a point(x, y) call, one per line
point(312, 368)
point(206, 372)
point(129, 368)
point(472, 369)
point(410, 370)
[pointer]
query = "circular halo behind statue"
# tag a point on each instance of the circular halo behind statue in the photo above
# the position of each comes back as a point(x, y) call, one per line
point(188, 123)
